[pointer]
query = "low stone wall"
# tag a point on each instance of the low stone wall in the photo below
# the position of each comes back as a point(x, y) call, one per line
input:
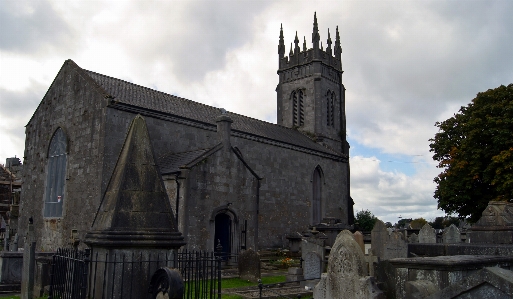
point(431, 250)
point(442, 271)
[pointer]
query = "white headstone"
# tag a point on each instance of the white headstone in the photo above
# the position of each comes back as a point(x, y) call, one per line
point(427, 234)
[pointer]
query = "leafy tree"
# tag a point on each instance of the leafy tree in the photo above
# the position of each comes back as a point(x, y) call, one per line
point(365, 220)
point(418, 223)
point(437, 223)
point(475, 150)
point(402, 223)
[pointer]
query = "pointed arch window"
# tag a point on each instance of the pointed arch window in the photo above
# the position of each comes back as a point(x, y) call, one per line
point(330, 108)
point(317, 196)
point(55, 175)
point(298, 116)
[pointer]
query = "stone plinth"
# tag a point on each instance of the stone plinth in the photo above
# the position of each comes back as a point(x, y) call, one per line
point(495, 225)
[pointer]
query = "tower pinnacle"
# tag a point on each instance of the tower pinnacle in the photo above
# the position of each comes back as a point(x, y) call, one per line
point(281, 45)
point(315, 33)
point(338, 48)
point(328, 48)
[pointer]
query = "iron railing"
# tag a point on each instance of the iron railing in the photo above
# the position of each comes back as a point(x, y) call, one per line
point(78, 275)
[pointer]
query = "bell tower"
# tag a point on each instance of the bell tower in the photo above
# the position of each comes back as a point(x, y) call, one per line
point(310, 93)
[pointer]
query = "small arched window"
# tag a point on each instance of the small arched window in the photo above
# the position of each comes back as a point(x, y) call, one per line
point(55, 175)
point(330, 109)
point(317, 196)
point(298, 115)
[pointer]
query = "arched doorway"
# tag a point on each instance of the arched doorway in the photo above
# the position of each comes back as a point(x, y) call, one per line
point(223, 232)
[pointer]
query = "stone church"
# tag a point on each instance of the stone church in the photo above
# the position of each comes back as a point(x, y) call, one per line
point(231, 179)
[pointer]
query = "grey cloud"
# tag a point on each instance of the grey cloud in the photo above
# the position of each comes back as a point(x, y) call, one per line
point(19, 106)
point(28, 26)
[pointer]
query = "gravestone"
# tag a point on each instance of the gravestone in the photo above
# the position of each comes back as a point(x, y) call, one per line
point(346, 277)
point(379, 236)
point(312, 266)
point(358, 237)
point(396, 247)
point(249, 265)
point(414, 238)
point(451, 235)
point(427, 234)
point(495, 225)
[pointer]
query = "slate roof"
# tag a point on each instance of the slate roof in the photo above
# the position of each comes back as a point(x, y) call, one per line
point(139, 96)
point(171, 163)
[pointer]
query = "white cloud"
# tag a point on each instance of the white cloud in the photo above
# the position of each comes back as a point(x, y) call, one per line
point(389, 195)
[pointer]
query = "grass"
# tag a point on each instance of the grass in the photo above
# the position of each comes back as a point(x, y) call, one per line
point(227, 283)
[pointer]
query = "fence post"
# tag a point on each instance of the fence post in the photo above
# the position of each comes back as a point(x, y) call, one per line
point(52, 273)
point(29, 262)
point(218, 277)
point(260, 286)
point(85, 274)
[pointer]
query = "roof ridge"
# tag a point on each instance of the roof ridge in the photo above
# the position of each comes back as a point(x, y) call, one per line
point(151, 89)
point(199, 103)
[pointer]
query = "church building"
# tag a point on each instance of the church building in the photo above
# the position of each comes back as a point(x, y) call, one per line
point(230, 179)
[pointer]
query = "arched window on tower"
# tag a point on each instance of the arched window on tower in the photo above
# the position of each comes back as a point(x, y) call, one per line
point(330, 108)
point(298, 118)
point(317, 196)
point(55, 175)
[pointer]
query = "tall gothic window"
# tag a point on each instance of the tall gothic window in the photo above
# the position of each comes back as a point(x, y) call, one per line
point(330, 108)
point(317, 196)
point(55, 175)
point(298, 117)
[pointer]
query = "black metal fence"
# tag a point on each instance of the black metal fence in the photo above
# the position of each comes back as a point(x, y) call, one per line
point(78, 275)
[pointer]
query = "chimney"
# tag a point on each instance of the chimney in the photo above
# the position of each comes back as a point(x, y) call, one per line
point(224, 128)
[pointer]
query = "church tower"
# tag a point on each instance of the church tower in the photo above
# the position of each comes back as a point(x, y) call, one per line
point(311, 96)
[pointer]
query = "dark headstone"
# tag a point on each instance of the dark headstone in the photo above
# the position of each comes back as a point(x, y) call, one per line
point(249, 265)
point(379, 236)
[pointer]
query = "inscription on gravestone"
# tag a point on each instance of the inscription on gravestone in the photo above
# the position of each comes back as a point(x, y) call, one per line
point(312, 266)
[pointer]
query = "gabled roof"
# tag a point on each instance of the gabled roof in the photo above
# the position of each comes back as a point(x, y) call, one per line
point(171, 163)
point(138, 96)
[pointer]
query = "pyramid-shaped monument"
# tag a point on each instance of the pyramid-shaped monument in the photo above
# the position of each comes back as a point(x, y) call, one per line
point(135, 210)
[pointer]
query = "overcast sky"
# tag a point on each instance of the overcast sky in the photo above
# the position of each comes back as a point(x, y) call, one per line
point(407, 64)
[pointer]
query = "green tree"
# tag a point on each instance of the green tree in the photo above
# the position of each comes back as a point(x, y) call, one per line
point(365, 220)
point(475, 150)
point(418, 223)
point(437, 223)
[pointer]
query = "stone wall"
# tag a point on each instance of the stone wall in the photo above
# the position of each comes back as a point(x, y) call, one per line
point(73, 104)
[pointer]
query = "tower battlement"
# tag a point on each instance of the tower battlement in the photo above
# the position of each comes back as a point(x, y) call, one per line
point(300, 62)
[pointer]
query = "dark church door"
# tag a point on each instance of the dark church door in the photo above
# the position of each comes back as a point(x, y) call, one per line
point(316, 198)
point(223, 232)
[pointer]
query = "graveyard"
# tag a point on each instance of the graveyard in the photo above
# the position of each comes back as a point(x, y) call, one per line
point(129, 192)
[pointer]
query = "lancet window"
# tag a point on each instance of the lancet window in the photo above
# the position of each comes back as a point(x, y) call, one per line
point(298, 117)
